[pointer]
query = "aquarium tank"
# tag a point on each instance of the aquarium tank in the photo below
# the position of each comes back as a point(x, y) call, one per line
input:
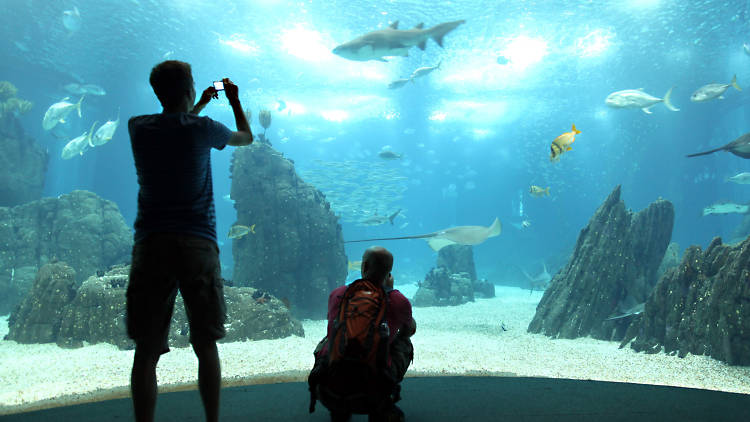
point(534, 167)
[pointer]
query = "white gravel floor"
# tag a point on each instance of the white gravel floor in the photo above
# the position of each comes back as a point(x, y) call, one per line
point(462, 340)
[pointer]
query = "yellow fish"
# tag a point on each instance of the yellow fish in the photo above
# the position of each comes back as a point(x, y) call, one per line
point(238, 230)
point(355, 265)
point(538, 191)
point(561, 144)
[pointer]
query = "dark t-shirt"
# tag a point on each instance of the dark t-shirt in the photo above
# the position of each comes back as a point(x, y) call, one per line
point(172, 153)
point(398, 313)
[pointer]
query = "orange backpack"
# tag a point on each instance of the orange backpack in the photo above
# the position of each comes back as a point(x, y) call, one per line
point(360, 331)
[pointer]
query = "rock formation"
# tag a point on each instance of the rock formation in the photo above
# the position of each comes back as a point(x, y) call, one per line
point(80, 228)
point(701, 307)
point(23, 163)
point(297, 249)
point(453, 281)
point(614, 263)
point(54, 311)
point(37, 319)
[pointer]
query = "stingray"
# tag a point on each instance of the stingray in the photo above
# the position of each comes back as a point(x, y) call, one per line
point(739, 147)
point(461, 235)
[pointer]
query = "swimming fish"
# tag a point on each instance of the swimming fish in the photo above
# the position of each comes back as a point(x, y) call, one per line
point(636, 98)
point(711, 91)
point(398, 83)
point(238, 230)
point(726, 208)
point(538, 191)
point(460, 235)
point(355, 265)
point(377, 220)
point(393, 41)
point(741, 178)
point(386, 154)
point(72, 20)
point(635, 310)
point(739, 147)
point(93, 89)
point(540, 281)
point(74, 89)
point(105, 132)
point(561, 144)
point(57, 112)
point(422, 71)
point(78, 145)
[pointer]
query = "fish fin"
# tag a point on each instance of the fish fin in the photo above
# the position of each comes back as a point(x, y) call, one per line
point(420, 25)
point(734, 83)
point(721, 97)
point(437, 243)
point(568, 148)
point(380, 59)
point(78, 105)
point(422, 45)
point(576, 130)
point(668, 100)
point(646, 110)
point(61, 120)
point(393, 25)
point(547, 191)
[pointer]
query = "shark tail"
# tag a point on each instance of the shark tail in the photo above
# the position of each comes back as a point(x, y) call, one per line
point(705, 152)
point(496, 228)
point(546, 191)
point(734, 83)
point(437, 32)
point(668, 100)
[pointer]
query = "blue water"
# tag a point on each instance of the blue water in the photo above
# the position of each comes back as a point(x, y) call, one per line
point(479, 125)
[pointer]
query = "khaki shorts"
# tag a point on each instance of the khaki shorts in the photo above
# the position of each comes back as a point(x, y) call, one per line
point(164, 263)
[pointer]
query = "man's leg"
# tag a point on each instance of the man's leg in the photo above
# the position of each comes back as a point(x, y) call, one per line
point(143, 383)
point(209, 377)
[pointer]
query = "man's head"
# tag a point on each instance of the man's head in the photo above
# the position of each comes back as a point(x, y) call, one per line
point(172, 81)
point(377, 263)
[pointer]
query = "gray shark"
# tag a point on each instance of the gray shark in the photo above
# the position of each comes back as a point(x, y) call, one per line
point(739, 147)
point(635, 310)
point(393, 41)
point(539, 282)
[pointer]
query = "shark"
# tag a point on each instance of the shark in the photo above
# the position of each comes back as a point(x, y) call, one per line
point(539, 282)
point(739, 147)
point(460, 235)
point(634, 310)
point(393, 41)
point(377, 220)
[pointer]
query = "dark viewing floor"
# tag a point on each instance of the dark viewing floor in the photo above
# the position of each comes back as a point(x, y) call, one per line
point(444, 399)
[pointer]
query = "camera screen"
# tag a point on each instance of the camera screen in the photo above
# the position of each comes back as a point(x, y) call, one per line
point(219, 86)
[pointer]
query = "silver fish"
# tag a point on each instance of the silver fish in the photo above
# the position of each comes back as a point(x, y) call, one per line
point(57, 112)
point(711, 91)
point(741, 178)
point(636, 98)
point(398, 83)
point(422, 71)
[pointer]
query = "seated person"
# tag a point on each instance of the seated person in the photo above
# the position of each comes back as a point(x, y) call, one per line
point(374, 391)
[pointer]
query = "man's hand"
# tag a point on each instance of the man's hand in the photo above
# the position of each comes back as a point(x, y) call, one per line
point(231, 90)
point(208, 93)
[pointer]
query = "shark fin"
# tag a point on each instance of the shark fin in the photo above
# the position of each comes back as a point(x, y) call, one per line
point(646, 110)
point(734, 83)
point(422, 45)
point(420, 25)
point(393, 25)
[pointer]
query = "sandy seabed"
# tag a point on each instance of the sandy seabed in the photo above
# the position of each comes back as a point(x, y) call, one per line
point(461, 340)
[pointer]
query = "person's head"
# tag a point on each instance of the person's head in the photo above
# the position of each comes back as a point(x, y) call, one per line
point(172, 81)
point(377, 263)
